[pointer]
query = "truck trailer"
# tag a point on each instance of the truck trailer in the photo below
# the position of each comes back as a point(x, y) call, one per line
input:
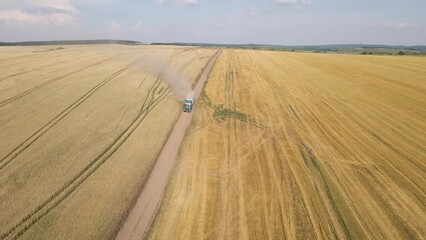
point(189, 102)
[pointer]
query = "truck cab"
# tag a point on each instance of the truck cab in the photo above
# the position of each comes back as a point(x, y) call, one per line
point(188, 104)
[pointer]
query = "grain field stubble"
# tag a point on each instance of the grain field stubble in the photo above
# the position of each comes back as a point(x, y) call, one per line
point(306, 146)
point(85, 140)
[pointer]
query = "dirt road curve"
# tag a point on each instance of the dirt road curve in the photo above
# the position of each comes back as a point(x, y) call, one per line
point(143, 213)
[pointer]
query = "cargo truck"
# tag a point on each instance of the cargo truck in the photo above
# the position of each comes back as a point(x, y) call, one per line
point(189, 102)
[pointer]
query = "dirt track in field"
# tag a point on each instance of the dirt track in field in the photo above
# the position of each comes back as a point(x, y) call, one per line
point(140, 218)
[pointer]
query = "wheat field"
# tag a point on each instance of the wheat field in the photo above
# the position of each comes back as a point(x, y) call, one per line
point(302, 146)
point(80, 130)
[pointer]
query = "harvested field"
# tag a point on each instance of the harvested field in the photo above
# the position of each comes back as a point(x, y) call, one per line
point(80, 130)
point(302, 146)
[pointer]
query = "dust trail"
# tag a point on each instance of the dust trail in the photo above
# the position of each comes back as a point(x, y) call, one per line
point(147, 60)
point(176, 81)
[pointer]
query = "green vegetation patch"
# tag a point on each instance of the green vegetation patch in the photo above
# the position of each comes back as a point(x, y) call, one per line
point(308, 156)
point(221, 113)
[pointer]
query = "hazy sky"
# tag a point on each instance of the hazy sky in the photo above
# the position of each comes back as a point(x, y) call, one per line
point(285, 22)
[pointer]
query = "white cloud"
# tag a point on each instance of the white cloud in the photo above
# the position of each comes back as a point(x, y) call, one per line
point(114, 27)
point(19, 16)
point(137, 26)
point(305, 2)
point(58, 5)
point(393, 25)
point(40, 12)
point(218, 24)
point(177, 2)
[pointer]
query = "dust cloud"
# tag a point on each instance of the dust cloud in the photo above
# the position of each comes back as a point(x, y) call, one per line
point(157, 64)
point(176, 81)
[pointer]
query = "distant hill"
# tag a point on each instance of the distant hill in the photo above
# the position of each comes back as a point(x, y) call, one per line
point(337, 48)
point(70, 42)
point(360, 48)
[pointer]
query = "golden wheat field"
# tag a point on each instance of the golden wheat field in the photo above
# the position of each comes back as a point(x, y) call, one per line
point(302, 146)
point(80, 130)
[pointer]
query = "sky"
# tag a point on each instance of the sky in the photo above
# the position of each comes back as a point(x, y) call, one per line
point(280, 22)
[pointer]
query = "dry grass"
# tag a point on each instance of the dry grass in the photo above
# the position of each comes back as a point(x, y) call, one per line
point(303, 146)
point(80, 129)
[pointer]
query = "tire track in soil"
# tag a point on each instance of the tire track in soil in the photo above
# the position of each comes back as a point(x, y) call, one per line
point(60, 195)
point(152, 99)
point(23, 94)
point(18, 57)
point(39, 68)
point(18, 63)
point(30, 140)
point(240, 177)
point(228, 211)
point(25, 72)
point(30, 55)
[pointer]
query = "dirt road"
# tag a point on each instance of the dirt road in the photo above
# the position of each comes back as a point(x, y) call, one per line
point(143, 213)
